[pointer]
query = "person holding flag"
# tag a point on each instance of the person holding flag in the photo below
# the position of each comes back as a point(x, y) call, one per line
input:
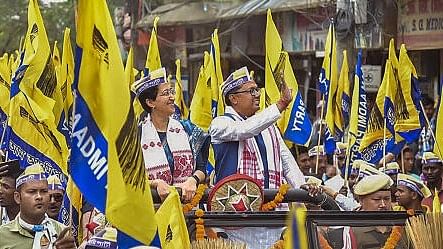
point(248, 143)
point(175, 152)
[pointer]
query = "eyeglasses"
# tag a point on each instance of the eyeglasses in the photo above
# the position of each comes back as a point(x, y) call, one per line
point(253, 91)
point(167, 92)
point(57, 197)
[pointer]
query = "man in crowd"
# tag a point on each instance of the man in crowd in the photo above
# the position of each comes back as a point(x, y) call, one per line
point(32, 228)
point(9, 171)
point(392, 169)
point(248, 143)
point(410, 193)
point(302, 157)
point(426, 140)
point(406, 161)
point(322, 161)
point(56, 192)
point(432, 172)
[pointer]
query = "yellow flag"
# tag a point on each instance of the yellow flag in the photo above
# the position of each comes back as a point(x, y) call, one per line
point(333, 120)
point(294, 123)
point(218, 107)
point(180, 104)
point(438, 146)
point(201, 114)
point(129, 68)
point(130, 74)
point(408, 123)
point(153, 61)
point(107, 161)
point(372, 144)
point(171, 223)
point(14, 62)
point(58, 97)
point(359, 113)
point(296, 235)
point(343, 100)
point(273, 59)
point(67, 77)
point(33, 135)
point(5, 84)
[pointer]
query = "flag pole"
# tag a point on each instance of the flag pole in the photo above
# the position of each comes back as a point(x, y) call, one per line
point(384, 144)
point(429, 125)
point(402, 162)
point(4, 131)
point(348, 160)
point(323, 95)
point(319, 133)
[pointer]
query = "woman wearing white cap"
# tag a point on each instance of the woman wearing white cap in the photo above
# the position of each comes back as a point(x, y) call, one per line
point(175, 152)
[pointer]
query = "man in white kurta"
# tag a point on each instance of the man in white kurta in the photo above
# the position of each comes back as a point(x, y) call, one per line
point(248, 143)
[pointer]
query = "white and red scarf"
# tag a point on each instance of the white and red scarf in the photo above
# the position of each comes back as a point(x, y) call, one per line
point(156, 162)
point(250, 161)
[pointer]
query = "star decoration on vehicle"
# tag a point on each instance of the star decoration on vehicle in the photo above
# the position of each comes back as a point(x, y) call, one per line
point(238, 200)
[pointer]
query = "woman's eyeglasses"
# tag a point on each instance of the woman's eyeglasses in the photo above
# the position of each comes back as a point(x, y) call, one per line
point(167, 92)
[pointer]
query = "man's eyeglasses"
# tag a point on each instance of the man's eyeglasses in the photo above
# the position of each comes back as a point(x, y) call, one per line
point(253, 91)
point(57, 197)
point(167, 92)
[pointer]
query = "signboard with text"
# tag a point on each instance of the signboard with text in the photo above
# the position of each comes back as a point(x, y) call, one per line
point(420, 24)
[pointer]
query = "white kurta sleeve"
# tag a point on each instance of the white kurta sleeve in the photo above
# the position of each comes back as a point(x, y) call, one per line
point(225, 129)
point(291, 171)
point(346, 203)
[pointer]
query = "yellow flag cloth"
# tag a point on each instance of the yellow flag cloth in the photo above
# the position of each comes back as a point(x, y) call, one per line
point(343, 100)
point(333, 119)
point(201, 114)
point(153, 61)
point(5, 83)
point(381, 120)
point(58, 96)
point(171, 223)
point(180, 105)
point(294, 123)
point(408, 123)
point(438, 146)
point(216, 76)
point(67, 73)
point(296, 235)
point(33, 135)
point(107, 162)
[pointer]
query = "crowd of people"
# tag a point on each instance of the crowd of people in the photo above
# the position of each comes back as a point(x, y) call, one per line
point(245, 141)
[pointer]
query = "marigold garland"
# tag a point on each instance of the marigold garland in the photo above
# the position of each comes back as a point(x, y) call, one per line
point(393, 239)
point(323, 242)
point(199, 225)
point(196, 199)
point(280, 244)
point(282, 190)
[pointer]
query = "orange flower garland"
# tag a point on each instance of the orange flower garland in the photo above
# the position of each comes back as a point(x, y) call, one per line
point(393, 239)
point(199, 225)
point(323, 242)
point(282, 190)
point(196, 199)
